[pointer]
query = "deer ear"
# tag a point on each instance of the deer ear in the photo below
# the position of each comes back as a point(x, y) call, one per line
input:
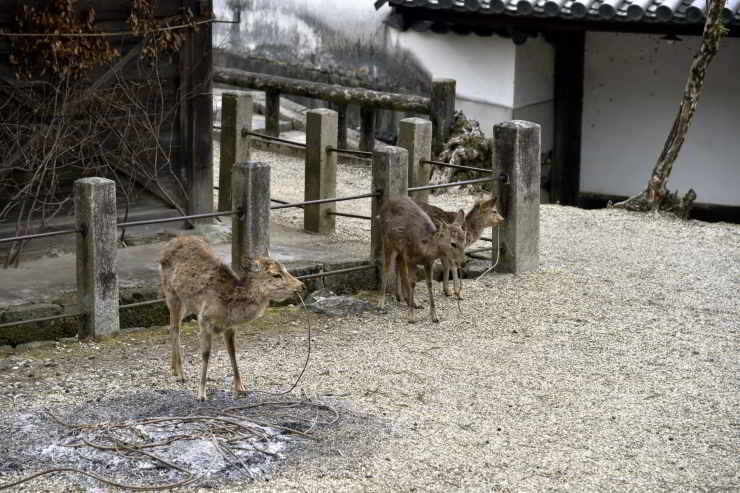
point(460, 218)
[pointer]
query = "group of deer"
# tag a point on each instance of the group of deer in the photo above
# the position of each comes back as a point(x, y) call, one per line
point(196, 282)
point(416, 233)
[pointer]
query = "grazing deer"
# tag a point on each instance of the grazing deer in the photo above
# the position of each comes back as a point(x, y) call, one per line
point(410, 238)
point(195, 281)
point(484, 214)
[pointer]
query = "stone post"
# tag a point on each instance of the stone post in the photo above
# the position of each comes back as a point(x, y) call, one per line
point(97, 275)
point(390, 178)
point(367, 129)
point(250, 230)
point(415, 135)
point(320, 170)
point(236, 117)
point(442, 111)
point(517, 153)
point(272, 113)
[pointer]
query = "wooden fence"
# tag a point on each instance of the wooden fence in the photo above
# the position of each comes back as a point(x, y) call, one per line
point(440, 106)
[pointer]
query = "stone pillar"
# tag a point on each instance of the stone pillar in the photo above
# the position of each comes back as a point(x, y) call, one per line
point(415, 135)
point(97, 275)
point(442, 111)
point(517, 153)
point(320, 170)
point(367, 129)
point(390, 177)
point(236, 117)
point(250, 230)
point(272, 113)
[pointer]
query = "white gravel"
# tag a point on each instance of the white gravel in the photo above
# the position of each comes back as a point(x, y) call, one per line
point(614, 367)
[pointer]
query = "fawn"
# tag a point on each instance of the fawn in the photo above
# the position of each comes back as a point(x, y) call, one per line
point(195, 281)
point(484, 214)
point(410, 238)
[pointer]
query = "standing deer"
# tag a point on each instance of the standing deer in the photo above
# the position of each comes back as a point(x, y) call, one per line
point(410, 238)
point(484, 214)
point(195, 281)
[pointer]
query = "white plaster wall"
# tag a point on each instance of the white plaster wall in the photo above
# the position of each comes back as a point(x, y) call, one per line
point(632, 89)
point(496, 80)
point(534, 84)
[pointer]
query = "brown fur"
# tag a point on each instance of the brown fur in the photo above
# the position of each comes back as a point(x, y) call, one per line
point(195, 281)
point(411, 238)
point(484, 214)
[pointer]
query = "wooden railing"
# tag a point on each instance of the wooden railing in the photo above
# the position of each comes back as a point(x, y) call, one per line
point(440, 107)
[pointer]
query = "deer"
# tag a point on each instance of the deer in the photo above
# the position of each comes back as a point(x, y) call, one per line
point(411, 238)
point(195, 281)
point(484, 214)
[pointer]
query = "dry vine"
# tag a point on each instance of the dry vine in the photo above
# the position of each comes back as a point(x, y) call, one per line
point(63, 123)
point(58, 130)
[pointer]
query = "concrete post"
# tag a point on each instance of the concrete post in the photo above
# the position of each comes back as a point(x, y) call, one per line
point(390, 177)
point(415, 135)
point(442, 111)
point(236, 116)
point(272, 113)
point(320, 170)
point(97, 276)
point(517, 153)
point(250, 230)
point(367, 129)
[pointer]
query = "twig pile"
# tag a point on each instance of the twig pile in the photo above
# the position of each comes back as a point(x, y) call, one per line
point(173, 451)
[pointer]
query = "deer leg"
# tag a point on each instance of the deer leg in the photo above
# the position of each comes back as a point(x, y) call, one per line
point(206, 333)
point(388, 261)
point(412, 286)
point(446, 278)
point(408, 291)
point(457, 282)
point(401, 296)
point(231, 348)
point(432, 311)
point(176, 314)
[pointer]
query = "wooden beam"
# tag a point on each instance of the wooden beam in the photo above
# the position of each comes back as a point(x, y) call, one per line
point(568, 94)
point(200, 115)
point(318, 90)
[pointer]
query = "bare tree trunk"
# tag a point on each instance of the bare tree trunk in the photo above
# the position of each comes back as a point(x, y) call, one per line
point(656, 195)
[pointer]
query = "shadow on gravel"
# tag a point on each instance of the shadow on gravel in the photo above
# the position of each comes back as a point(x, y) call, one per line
point(164, 437)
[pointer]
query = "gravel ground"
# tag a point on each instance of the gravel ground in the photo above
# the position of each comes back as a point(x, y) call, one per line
point(612, 368)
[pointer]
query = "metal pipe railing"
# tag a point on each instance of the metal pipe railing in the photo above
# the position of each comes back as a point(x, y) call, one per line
point(457, 166)
point(41, 319)
point(325, 201)
point(503, 177)
point(39, 235)
point(178, 218)
point(246, 132)
point(335, 272)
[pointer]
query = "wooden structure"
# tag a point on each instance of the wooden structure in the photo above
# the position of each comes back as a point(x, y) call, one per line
point(441, 106)
point(181, 176)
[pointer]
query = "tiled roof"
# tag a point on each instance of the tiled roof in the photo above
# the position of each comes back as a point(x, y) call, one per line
point(664, 11)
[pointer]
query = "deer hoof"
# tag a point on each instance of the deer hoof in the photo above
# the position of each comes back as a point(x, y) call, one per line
point(435, 319)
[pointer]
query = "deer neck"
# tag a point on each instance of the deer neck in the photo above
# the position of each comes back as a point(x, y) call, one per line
point(473, 226)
